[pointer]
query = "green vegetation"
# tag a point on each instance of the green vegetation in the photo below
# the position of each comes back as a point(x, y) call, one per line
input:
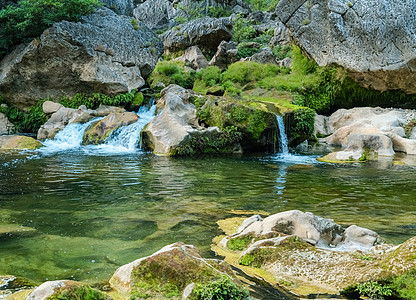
point(221, 289)
point(239, 243)
point(409, 127)
point(135, 24)
point(264, 5)
point(29, 18)
point(171, 72)
point(28, 121)
point(79, 293)
point(398, 287)
point(243, 29)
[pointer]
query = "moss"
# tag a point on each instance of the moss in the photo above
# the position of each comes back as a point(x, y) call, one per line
point(79, 293)
point(171, 72)
point(240, 243)
point(223, 288)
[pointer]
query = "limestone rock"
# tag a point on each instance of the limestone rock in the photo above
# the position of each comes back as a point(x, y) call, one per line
point(17, 142)
point(50, 107)
point(6, 127)
point(286, 62)
point(356, 237)
point(194, 58)
point(156, 14)
point(104, 110)
point(265, 56)
point(373, 142)
point(61, 118)
point(321, 126)
point(374, 40)
point(225, 55)
point(206, 33)
point(281, 36)
point(121, 7)
point(177, 123)
point(97, 132)
point(101, 54)
point(402, 145)
point(340, 136)
point(177, 263)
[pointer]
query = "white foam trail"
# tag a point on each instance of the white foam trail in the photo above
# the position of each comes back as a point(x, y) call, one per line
point(282, 137)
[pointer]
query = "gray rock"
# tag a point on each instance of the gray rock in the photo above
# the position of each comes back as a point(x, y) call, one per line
point(225, 55)
point(239, 10)
point(49, 107)
point(17, 142)
point(286, 62)
point(373, 39)
point(359, 238)
point(206, 33)
point(177, 123)
point(265, 56)
point(401, 144)
point(281, 35)
point(376, 143)
point(194, 58)
point(321, 125)
point(6, 127)
point(102, 53)
point(156, 14)
point(104, 110)
point(121, 7)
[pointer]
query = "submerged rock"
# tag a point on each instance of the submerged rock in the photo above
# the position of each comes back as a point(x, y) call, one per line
point(206, 33)
point(174, 268)
point(104, 53)
point(374, 40)
point(18, 142)
point(97, 132)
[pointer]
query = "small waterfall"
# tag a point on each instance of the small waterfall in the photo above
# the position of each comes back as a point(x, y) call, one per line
point(281, 135)
point(129, 136)
point(122, 140)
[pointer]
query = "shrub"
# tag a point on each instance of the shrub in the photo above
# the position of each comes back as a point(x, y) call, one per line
point(96, 99)
point(244, 72)
point(246, 49)
point(79, 293)
point(172, 72)
point(264, 5)
point(26, 121)
point(222, 289)
point(243, 29)
point(211, 76)
point(29, 18)
point(218, 12)
point(282, 52)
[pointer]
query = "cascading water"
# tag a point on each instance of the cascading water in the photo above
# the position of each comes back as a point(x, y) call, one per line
point(124, 139)
point(282, 137)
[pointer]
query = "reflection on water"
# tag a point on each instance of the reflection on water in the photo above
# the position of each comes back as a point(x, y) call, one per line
point(93, 213)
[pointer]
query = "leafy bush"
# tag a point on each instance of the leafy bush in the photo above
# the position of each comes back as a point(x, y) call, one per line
point(172, 72)
point(25, 121)
point(239, 243)
point(282, 52)
point(79, 293)
point(211, 76)
point(96, 99)
point(243, 29)
point(29, 18)
point(246, 49)
point(218, 12)
point(244, 72)
point(222, 289)
point(264, 5)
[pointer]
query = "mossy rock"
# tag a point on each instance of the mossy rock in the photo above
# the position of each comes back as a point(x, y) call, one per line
point(18, 142)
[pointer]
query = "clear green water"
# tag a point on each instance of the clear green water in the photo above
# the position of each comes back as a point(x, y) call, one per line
point(95, 213)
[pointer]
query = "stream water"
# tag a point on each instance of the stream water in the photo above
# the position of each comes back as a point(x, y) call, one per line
point(94, 208)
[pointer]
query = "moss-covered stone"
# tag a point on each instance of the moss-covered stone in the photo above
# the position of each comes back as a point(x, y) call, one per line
point(78, 292)
point(18, 142)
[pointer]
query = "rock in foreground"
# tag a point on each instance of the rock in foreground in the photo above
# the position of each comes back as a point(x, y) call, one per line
point(104, 53)
point(374, 40)
point(18, 142)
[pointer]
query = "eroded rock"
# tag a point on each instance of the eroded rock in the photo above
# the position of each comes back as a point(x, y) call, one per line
point(194, 58)
point(6, 127)
point(102, 54)
point(374, 40)
point(18, 142)
point(225, 55)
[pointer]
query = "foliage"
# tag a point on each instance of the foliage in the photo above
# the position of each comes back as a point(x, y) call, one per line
point(172, 72)
point(239, 243)
point(221, 143)
point(190, 11)
point(244, 72)
point(282, 52)
point(243, 29)
point(218, 12)
point(264, 5)
point(211, 76)
point(304, 121)
point(408, 128)
point(246, 49)
point(29, 18)
point(96, 99)
point(135, 24)
point(79, 293)
point(221, 289)
point(26, 121)
point(405, 285)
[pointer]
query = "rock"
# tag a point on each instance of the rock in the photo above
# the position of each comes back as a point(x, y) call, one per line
point(121, 7)
point(281, 36)
point(177, 264)
point(104, 110)
point(378, 143)
point(412, 134)
point(265, 56)
point(156, 14)
point(206, 33)
point(71, 290)
point(216, 91)
point(61, 118)
point(194, 58)
point(340, 136)
point(321, 126)
point(97, 132)
point(402, 145)
point(225, 55)
point(18, 142)
point(286, 62)
point(358, 238)
point(374, 40)
point(239, 10)
point(177, 123)
point(50, 107)
point(101, 54)
point(6, 127)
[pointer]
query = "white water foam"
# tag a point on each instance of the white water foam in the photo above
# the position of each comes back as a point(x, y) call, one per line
point(282, 137)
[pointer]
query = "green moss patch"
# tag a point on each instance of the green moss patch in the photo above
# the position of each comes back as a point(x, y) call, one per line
point(240, 243)
point(223, 288)
point(79, 293)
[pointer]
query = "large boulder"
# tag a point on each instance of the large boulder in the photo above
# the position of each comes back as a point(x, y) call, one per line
point(206, 33)
point(176, 125)
point(177, 266)
point(121, 7)
point(225, 55)
point(374, 40)
point(50, 107)
point(18, 142)
point(156, 14)
point(265, 56)
point(194, 58)
point(97, 132)
point(103, 53)
point(6, 127)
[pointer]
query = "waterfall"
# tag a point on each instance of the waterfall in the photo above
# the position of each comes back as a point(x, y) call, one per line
point(281, 136)
point(122, 140)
